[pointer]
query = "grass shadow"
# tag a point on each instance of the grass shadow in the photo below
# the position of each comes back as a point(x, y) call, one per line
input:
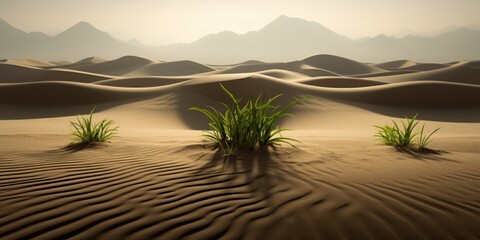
point(425, 153)
point(257, 168)
point(75, 147)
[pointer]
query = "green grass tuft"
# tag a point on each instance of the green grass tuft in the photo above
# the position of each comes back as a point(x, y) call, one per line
point(423, 139)
point(86, 132)
point(405, 136)
point(251, 126)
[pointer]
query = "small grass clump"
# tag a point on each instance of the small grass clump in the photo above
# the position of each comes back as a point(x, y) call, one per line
point(251, 126)
point(406, 136)
point(86, 131)
point(423, 138)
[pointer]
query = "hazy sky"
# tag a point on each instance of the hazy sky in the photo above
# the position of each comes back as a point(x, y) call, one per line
point(159, 22)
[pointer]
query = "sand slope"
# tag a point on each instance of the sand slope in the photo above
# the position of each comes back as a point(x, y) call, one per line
point(160, 180)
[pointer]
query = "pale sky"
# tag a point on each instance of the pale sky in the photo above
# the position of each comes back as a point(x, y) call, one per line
point(160, 22)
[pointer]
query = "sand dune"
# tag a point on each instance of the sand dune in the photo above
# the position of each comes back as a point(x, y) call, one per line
point(135, 66)
point(282, 74)
point(382, 74)
point(426, 66)
point(314, 66)
point(297, 67)
point(339, 65)
point(405, 93)
point(27, 62)
point(142, 81)
point(399, 64)
point(428, 94)
point(81, 63)
point(178, 68)
point(251, 62)
point(12, 73)
point(463, 72)
point(64, 93)
point(411, 65)
point(160, 180)
point(91, 60)
point(115, 67)
point(60, 62)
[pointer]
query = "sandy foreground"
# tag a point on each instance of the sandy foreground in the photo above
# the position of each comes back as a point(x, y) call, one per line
point(160, 179)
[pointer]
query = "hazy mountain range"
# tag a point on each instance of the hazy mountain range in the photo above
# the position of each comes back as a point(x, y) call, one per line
point(283, 39)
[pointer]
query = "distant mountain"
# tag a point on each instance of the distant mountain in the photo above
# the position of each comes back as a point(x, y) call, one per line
point(82, 32)
point(8, 31)
point(289, 38)
point(454, 45)
point(283, 39)
point(75, 43)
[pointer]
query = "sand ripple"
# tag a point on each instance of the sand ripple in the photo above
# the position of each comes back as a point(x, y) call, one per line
point(164, 191)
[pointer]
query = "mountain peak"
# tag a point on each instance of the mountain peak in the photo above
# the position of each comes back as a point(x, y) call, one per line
point(284, 22)
point(283, 16)
point(81, 30)
point(286, 19)
point(298, 28)
point(82, 26)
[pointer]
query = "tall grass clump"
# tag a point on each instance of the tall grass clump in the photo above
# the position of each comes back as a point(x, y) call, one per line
point(406, 134)
point(86, 131)
point(252, 125)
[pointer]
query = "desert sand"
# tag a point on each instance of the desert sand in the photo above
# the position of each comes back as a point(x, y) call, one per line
point(159, 179)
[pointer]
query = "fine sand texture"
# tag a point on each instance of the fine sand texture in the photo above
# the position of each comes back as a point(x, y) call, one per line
point(159, 179)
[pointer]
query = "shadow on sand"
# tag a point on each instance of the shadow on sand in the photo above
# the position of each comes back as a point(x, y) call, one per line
point(75, 147)
point(425, 153)
point(259, 169)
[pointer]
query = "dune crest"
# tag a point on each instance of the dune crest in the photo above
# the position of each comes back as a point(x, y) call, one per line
point(339, 65)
